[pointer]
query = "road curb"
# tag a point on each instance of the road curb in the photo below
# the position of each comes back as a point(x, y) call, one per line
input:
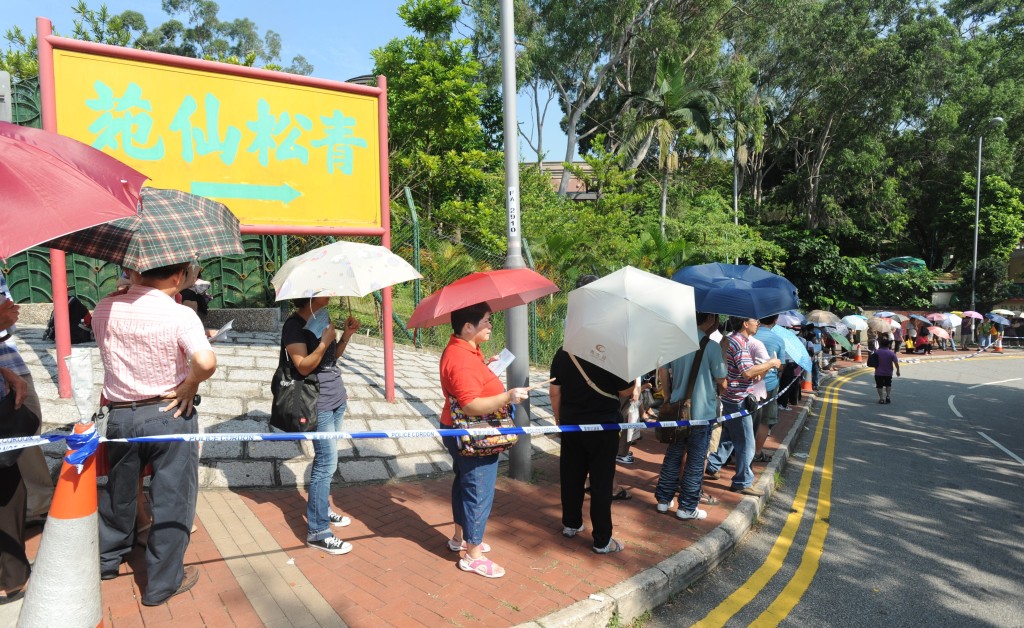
point(652, 587)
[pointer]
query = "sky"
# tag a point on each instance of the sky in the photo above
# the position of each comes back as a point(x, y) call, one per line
point(335, 36)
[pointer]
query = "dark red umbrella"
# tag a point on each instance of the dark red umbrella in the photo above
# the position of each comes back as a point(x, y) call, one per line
point(500, 289)
point(52, 185)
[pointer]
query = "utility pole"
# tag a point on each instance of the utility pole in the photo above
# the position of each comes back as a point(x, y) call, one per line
point(516, 323)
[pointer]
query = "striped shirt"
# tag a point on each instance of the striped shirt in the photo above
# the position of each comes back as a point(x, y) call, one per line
point(145, 340)
point(737, 360)
point(9, 356)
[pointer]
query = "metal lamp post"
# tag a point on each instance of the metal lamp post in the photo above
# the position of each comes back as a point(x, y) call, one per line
point(516, 323)
point(977, 213)
point(977, 217)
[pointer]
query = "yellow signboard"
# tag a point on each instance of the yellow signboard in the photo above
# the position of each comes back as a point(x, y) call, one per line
point(275, 153)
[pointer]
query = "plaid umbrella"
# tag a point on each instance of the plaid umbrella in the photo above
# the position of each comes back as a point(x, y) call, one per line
point(171, 227)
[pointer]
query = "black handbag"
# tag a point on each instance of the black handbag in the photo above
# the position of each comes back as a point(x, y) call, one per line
point(15, 424)
point(295, 398)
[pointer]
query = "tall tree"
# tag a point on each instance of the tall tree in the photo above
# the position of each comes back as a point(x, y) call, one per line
point(674, 107)
point(202, 35)
point(574, 48)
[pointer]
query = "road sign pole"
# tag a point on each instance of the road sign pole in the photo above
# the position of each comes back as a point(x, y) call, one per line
point(516, 326)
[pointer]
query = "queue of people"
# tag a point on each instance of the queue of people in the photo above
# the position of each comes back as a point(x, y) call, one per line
point(740, 370)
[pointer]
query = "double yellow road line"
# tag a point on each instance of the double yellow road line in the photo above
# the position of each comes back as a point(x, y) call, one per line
point(801, 580)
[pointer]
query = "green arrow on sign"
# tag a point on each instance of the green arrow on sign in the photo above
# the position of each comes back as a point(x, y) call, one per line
point(283, 193)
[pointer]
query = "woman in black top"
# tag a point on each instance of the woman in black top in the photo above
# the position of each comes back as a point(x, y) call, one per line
point(310, 354)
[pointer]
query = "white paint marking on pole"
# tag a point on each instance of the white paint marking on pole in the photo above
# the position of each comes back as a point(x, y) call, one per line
point(953, 408)
point(1005, 450)
point(1002, 381)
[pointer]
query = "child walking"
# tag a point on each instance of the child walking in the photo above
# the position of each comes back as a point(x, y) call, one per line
point(887, 361)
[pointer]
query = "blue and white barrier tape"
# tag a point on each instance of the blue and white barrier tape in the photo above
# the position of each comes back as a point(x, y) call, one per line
point(11, 444)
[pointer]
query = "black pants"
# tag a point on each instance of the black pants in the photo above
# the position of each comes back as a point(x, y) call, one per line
point(792, 395)
point(173, 489)
point(14, 568)
point(593, 454)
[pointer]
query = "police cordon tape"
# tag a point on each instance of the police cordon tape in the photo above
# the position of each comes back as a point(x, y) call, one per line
point(88, 442)
point(11, 444)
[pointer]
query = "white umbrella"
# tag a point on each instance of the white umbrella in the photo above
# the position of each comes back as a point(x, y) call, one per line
point(855, 323)
point(1003, 312)
point(952, 321)
point(631, 322)
point(341, 269)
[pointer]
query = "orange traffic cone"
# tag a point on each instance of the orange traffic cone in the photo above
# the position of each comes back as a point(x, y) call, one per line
point(806, 386)
point(999, 346)
point(65, 585)
point(856, 354)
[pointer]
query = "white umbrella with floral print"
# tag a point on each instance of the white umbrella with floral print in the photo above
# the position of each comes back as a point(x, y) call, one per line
point(341, 269)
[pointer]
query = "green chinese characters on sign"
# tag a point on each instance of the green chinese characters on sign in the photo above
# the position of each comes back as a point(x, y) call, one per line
point(125, 123)
point(210, 140)
point(340, 140)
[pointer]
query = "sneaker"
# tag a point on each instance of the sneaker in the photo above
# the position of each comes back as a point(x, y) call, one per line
point(696, 513)
point(612, 547)
point(331, 545)
point(627, 459)
point(888, 400)
point(568, 532)
point(339, 521)
point(714, 475)
point(663, 508)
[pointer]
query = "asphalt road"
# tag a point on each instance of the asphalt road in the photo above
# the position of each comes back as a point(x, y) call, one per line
point(920, 522)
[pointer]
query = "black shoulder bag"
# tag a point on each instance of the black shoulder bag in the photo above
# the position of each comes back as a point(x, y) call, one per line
point(295, 398)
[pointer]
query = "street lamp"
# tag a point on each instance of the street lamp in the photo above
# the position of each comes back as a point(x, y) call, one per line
point(977, 216)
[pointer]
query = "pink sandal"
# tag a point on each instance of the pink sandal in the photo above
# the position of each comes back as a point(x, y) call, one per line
point(461, 547)
point(483, 566)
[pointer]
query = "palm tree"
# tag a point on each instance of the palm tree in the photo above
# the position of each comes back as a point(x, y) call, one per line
point(673, 107)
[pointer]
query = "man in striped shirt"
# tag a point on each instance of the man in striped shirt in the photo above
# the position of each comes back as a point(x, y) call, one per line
point(155, 354)
point(738, 433)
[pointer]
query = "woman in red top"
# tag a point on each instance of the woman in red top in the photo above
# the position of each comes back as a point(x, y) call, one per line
point(466, 378)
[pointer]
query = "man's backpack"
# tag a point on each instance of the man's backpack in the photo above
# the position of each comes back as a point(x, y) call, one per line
point(81, 322)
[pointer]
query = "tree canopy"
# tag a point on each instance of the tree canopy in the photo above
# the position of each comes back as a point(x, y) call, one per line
point(850, 127)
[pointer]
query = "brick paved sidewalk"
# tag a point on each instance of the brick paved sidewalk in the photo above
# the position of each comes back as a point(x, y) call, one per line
point(257, 570)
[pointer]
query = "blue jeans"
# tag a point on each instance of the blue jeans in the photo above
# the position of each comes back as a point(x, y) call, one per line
point(325, 463)
point(738, 435)
point(696, 447)
point(472, 491)
point(984, 340)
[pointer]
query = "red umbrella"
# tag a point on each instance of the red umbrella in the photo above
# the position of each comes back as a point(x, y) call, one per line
point(500, 289)
point(52, 185)
point(940, 332)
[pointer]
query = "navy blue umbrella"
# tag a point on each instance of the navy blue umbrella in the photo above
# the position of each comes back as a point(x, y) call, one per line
point(995, 318)
point(738, 290)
